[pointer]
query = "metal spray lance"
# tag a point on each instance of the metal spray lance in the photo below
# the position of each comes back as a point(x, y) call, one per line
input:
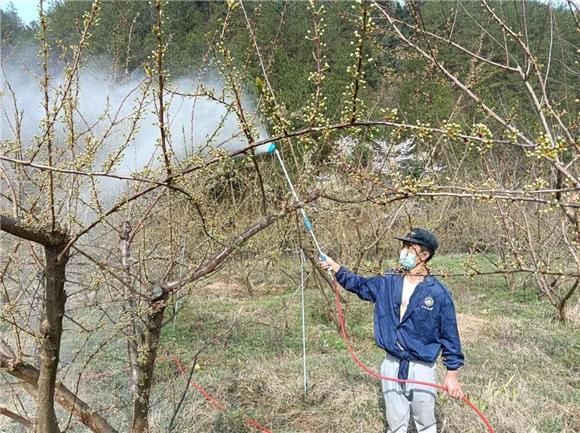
point(307, 223)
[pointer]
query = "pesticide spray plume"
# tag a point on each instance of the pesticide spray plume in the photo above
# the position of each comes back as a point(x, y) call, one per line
point(121, 116)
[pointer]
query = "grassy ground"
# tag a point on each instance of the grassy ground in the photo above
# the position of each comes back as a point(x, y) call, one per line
point(522, 368)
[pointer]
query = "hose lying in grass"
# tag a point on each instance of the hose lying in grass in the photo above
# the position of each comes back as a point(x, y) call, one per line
point(342, 324)
point(211, 399)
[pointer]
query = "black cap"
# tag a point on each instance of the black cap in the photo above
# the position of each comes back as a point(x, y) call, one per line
point(421, 237)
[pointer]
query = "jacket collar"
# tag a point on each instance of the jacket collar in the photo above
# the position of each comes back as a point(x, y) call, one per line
point(418, 296)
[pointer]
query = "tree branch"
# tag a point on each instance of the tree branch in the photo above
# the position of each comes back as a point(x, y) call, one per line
point(212, 263)
point(66, 398)
point(18, 418)
point(40, 235)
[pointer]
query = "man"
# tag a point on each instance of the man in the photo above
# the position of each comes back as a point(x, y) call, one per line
point(414, 321)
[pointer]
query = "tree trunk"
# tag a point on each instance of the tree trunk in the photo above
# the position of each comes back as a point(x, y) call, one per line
point(64, 396)
point(142, 341)
point(37, 315)
point(134, 332)
point(146, 364)
point(51, 332)
point(562, 303)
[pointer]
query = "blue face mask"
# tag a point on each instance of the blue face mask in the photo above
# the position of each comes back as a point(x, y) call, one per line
point(407, 259)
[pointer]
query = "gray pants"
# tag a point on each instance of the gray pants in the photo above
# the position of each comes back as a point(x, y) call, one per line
point(401, 399)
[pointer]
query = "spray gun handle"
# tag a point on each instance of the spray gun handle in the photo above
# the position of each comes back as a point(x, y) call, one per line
point(323, 258)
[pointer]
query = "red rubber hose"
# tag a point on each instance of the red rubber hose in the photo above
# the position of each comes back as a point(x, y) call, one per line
point(211, 399)
point(376, 374)
point(342, 324)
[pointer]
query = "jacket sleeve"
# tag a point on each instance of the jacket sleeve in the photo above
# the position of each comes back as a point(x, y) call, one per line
point(449, 336)
point(364, 288)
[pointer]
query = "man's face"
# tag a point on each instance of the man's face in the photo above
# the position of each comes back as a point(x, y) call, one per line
point(410, 248)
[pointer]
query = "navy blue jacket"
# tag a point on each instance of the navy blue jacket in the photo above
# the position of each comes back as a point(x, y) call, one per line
point(429, 326)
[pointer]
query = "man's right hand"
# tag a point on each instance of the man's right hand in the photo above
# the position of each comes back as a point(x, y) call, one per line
point(328, 263)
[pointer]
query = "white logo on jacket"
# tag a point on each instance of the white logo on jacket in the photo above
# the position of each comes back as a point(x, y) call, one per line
point(428, 303)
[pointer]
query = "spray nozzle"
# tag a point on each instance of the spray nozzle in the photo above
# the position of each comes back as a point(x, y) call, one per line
point(271, 148)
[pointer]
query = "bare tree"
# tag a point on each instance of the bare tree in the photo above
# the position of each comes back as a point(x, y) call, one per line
point(65, 190)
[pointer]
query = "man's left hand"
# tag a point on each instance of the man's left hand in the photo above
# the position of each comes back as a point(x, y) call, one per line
point(452, 385)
